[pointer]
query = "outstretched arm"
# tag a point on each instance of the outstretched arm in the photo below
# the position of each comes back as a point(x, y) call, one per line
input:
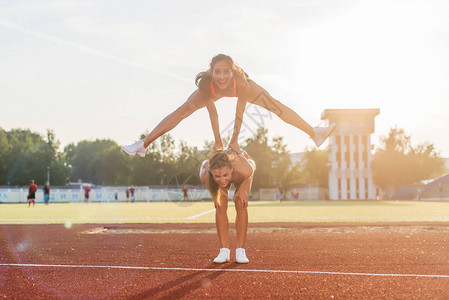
point(213, 115)
point(242, 191)
point(239, 111)
point(244, 168)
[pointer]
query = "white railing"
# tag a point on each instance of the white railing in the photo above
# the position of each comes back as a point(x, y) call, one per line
point(104, 194)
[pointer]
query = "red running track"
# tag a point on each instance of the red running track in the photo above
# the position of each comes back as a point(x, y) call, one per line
point(172, 261)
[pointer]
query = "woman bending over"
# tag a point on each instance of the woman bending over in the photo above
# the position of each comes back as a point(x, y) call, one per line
point(218, 173)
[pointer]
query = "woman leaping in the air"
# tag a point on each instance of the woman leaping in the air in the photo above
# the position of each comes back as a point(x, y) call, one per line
point(225, 79)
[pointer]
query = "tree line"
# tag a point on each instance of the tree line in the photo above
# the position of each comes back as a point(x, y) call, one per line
point(397, 163)
point(26, 155)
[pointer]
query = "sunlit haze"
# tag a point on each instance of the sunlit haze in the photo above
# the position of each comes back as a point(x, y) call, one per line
point(115, 69)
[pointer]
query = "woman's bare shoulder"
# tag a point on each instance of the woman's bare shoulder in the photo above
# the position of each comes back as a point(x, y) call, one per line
point(241, 80)
point(242, 167)
point(204, 171)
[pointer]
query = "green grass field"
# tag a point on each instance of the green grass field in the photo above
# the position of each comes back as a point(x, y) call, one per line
point(203, 212)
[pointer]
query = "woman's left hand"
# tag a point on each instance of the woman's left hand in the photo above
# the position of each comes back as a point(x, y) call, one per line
point(234, 146)
point(242, 200)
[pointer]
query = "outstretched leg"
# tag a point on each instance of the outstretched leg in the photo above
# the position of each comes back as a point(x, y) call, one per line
point(170, 122)
point(262, 98)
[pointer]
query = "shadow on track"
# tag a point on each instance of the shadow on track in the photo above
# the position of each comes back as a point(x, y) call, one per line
point(179, 286)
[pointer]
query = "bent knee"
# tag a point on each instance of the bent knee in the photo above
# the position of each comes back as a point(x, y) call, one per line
point(239, 204)
point(221, 208)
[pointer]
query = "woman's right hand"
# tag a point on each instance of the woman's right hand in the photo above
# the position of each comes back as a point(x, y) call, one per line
point(217, 147)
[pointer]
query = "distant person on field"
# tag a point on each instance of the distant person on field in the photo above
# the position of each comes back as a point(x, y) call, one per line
point(280, 193)
point(132, 190)
point(87, 190)
point(47, 192)
point(127, 194)
point(185, 192)
point(441, 188)
point(295, 195)
point(32, 193)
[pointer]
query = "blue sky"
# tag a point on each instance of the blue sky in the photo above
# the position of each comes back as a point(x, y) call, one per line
point(115, 69)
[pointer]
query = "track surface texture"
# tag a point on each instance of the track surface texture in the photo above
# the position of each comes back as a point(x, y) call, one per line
point(172, 261)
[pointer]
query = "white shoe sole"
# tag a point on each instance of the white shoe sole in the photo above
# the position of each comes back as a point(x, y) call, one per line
point(242, 261)
point(331, 130)
point(130, 153)
point(221, 261)
point(241, 258)
point(133, 152)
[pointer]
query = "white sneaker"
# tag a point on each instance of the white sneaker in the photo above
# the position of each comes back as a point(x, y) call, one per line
point(136, 148)
point(320, 134)
point(223, 256)
point(240, 256)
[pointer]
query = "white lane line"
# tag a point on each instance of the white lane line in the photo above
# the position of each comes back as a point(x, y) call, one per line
point(199, 215)
point(89, 219)
point(226, 270)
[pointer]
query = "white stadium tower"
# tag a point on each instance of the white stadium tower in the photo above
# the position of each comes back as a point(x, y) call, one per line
point(350, 176)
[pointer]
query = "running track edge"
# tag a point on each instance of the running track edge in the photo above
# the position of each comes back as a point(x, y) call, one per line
point(226, 270)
